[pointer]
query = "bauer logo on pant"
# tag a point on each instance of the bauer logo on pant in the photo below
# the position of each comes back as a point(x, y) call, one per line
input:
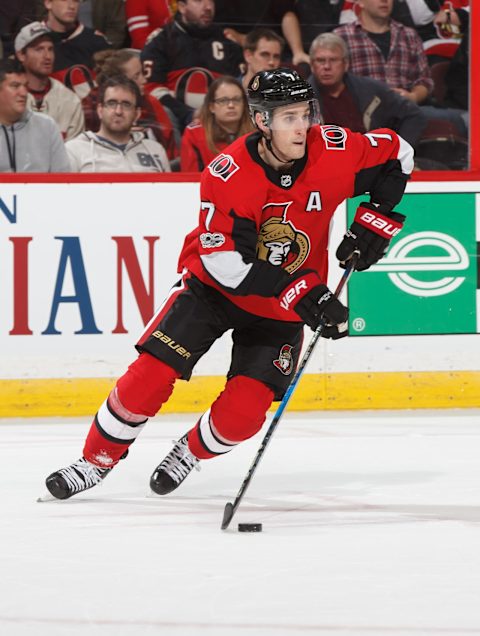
point(284, 362)
point(171, 343)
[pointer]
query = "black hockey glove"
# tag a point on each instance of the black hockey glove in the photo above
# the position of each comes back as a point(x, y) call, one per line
point(370, 233)
point(312, 301)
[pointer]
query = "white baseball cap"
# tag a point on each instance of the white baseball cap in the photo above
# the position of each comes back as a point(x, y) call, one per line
point(29, 33)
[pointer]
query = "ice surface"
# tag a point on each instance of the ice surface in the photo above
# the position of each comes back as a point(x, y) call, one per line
point(371, 526)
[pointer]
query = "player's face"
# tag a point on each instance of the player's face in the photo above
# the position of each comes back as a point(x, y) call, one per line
point(38, 58)
point(289, 127)
point(134, 71)
point(265, 57)
point(329, 66)
point(65, 12)
point(227, 106)
point(376, 8)
point(197, 12)
point(13, 97)
point(118, 111)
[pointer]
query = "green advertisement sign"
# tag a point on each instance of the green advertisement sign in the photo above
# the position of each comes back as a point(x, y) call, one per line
point(427, 283)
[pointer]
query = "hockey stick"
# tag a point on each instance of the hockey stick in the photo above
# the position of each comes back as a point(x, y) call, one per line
point(230, 508)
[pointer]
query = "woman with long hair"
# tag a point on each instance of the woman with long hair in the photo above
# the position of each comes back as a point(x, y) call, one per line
point(223, 118)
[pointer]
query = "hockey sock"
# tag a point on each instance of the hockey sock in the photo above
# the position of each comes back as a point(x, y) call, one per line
point(237, 414)
point(138, 394)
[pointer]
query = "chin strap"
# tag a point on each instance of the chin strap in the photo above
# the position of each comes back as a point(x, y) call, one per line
point(268, 143)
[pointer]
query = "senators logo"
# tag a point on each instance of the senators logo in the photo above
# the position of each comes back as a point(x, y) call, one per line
point(279, 242)
point(334, 137)
point(223, 166)
point(284, 362)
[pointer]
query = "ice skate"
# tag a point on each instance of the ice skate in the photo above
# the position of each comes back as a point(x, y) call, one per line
point(179, 462)
point(79, 476)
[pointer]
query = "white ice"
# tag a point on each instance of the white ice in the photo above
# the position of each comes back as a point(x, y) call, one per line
point(371, 526)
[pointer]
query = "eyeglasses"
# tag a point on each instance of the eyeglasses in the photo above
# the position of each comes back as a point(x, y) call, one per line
point(323, 61)
point(224, 101)
point(113, 104)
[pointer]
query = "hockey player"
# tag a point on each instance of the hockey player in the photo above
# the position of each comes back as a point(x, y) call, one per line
point(256, 264)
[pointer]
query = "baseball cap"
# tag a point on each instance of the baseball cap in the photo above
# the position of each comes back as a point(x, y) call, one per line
point(29, 33)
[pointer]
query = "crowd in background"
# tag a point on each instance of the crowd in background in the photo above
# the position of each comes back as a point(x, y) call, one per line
point(160, 85)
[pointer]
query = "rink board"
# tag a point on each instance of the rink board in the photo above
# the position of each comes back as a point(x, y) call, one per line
point(84, 265)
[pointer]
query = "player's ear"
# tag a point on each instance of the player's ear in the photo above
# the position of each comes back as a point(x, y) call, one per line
point(259, 123)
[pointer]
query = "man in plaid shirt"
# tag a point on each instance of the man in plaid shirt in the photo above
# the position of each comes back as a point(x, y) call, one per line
point(385, 50)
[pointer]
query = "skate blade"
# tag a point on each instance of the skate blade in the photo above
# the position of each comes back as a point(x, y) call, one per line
point(47, 497)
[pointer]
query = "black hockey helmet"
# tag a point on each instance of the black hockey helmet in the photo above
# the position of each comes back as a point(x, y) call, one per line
point(268, 90)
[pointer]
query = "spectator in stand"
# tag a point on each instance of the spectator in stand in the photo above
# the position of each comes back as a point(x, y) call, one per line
point(224, 117)
point(34, 49)
point(385, 50)
point(457, 80)
point(144, 17)
point(317, 16)
point(186, 56)
point(153, 121)
point(262, 51)
point(117, 147)
point(240, 16)
point(74, 42)
point(29, 142)
point(108, 17)
point(14, 14)
point(440, 24)
point(355, 102)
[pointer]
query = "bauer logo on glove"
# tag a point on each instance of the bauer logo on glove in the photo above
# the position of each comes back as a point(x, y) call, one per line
point(370, 234)
point(311, 299)
point(377, 222)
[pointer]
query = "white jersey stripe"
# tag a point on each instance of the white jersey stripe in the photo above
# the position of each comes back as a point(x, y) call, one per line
point(405, 155)
point(228, 268)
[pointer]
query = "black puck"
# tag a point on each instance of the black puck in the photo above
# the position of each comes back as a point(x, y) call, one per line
point(249, 527)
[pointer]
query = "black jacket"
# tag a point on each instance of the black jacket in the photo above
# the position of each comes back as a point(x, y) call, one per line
point(381, 107)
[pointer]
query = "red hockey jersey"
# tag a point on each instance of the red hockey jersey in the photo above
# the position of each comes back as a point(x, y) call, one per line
point(144, 17)
point(195, 154)
point(258, 225)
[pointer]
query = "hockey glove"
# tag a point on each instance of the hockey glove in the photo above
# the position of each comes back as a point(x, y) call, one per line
point(370, 233)
point(312, 300)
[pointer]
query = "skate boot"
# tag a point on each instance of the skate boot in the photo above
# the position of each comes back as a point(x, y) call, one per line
point(79, 476)
point(174, 468)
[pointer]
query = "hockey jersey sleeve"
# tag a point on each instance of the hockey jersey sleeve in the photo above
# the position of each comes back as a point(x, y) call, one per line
point(228, 232)
point(143, 17)
point(384, 165)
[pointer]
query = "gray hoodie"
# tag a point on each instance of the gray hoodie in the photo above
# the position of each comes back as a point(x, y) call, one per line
point(32, 144)
point(90, 153)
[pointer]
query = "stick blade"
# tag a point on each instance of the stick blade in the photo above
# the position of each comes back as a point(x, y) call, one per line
point(227, 515)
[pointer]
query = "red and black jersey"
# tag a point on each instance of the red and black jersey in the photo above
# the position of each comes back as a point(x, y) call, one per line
point(76, 47)
point(144, 17)
point(258, 225)
point(195, 154)
point(181, 62)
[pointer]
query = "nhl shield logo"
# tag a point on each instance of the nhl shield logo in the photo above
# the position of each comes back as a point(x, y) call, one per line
point(284, 362)
point(286, 180)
